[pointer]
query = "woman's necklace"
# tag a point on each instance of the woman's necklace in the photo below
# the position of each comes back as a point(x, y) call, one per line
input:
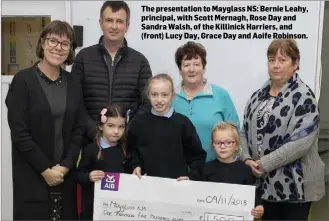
point(58, 80)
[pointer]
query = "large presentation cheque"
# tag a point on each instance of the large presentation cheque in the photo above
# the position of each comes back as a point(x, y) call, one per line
point(126, 197)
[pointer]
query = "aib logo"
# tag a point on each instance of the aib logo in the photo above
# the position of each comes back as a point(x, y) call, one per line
point(110, 181)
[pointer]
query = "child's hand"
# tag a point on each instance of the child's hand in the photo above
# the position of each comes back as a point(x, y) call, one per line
point(183, 178)
point(254, 168)
point(96, 175)
point(138, 172)
point(257, 212)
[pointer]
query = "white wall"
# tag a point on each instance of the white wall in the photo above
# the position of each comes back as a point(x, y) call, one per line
point(86, 13)
point(34, 8)
point(6, 168)
point(324, 99)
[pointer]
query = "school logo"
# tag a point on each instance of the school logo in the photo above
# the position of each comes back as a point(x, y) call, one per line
point(110, 181)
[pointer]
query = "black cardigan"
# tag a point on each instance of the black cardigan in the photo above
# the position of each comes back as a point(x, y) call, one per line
point(32, 134)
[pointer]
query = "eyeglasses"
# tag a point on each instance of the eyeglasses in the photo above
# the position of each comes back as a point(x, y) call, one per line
point(53, 42)
point(227, 143)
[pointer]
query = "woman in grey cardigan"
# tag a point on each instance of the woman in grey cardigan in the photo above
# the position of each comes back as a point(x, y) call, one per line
point(279, 138)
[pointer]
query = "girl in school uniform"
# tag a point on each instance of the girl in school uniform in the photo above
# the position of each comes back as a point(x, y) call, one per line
point(107, 154)
point(164, 143)
point(225, 169)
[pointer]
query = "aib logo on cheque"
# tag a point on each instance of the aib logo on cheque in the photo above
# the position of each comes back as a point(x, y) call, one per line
point(110, 181)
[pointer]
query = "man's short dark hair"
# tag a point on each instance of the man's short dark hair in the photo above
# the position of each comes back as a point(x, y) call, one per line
point(116, 6)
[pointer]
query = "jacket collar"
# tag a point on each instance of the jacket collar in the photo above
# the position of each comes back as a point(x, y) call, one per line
point(122, 49)
point(207, 90)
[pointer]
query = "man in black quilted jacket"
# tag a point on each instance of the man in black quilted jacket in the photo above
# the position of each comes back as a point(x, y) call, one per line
point(110, 71)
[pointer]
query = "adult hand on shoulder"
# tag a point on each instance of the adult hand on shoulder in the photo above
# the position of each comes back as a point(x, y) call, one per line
point(183, 178)
point(254, 168)
point(257, 212)
point(61, 169)
point(138, 172)
point(96, 175)
point(53, 177)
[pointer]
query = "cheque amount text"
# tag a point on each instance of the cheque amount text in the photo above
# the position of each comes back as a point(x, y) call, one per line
point(220, 217)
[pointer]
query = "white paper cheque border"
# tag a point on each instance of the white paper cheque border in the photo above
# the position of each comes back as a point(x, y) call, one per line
point(126, 197)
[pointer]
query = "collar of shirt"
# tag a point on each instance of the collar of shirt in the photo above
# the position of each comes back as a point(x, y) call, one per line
point(236, 158)
point(58, 81)
point(206, 91)
point(167, 115)
point(105, 144)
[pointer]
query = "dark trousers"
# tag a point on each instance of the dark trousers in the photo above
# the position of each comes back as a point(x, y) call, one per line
point(286, 211)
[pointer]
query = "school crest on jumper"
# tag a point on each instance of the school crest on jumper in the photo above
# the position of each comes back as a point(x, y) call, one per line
point(110, 181)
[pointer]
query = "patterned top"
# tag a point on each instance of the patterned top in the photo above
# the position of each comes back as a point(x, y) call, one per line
point(294, 171)
point(263, 116)
point(285, 183)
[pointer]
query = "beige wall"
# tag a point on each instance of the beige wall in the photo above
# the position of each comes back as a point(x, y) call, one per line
point(20, 36)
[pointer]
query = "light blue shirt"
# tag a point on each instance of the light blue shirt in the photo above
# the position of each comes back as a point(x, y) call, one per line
point(169, 113)
point(105, 144)
point(210, 106)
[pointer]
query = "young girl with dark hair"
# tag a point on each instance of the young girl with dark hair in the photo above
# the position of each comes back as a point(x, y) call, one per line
point(106, 154)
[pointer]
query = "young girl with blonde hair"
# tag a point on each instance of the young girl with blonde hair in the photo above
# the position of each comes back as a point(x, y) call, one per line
point(164, 143)
point(226, 169)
